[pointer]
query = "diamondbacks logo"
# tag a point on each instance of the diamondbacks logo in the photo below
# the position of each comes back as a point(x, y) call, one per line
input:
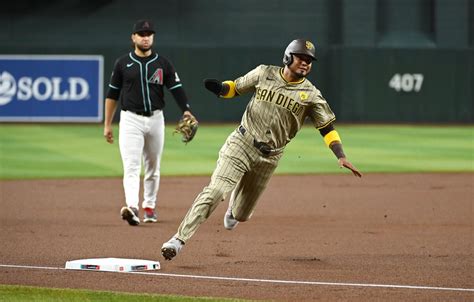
point(309, 45)
point(157, 77)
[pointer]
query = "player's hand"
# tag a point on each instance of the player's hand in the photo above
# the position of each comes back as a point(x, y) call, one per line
point(344, 163)
point(109, 134)
point(188, 113)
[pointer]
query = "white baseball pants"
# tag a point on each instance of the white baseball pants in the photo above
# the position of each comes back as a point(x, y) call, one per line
point(141, 138)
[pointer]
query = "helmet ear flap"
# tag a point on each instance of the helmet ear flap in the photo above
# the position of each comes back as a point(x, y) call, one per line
point(287, 59)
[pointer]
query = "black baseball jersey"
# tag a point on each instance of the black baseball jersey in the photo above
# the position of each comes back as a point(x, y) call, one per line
point(138, 82)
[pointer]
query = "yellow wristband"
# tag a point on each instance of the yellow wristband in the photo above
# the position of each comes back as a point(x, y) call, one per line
point(231, 92)
point(331, 137)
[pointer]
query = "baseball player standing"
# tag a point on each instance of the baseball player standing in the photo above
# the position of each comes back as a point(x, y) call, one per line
point(137, 82)
point(282, 99)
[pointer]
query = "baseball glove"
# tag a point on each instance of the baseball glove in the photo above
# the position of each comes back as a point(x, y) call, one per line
point(187, 127)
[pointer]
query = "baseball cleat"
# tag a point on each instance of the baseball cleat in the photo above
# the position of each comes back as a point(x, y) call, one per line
point(229, 221)
point(171, 248)
point(130, 215)
point(150, 215)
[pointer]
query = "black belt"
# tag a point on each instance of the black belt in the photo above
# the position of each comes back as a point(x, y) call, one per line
point(142, 113)
point(264, 148)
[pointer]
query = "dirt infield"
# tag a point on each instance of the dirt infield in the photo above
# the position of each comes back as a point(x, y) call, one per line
point(383, 229)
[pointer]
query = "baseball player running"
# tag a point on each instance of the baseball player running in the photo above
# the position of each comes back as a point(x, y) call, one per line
point(137, 82)
point(282, 99)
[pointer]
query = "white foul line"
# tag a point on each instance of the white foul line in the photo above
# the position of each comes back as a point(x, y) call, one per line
point(261, 280)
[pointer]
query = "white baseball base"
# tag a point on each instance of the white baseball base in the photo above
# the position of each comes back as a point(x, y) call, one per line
point(113, 264)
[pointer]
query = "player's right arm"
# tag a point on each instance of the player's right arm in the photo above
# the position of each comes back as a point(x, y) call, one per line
point(224, 89)
point(111, 101)
point(110, 108)
point(230, 89)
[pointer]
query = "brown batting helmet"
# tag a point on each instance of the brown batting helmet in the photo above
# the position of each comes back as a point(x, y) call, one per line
point(298, 46)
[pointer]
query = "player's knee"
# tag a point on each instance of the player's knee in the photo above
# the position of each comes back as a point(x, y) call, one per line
point(215, 194)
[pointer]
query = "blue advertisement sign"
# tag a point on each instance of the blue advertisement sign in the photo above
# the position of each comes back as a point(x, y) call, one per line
point(51, 88)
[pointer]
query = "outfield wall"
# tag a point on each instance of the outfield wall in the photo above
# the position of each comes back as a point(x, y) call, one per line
point(379, 60)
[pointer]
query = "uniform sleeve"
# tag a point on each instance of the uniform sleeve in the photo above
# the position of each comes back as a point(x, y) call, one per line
point(115, 84)
point(320, 113)
point(174, 85)
point(248, 82)
point(181, 99)
point(171, 78)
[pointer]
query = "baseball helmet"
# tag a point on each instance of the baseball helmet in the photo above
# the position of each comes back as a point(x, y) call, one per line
point(298, 46)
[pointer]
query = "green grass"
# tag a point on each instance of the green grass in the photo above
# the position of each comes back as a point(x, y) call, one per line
point(68, 151)
point(14, 293)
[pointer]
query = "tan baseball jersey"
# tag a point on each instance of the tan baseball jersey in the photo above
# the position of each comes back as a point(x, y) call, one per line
point(278, 108)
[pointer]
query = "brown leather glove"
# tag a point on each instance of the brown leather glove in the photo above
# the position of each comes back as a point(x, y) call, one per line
point(187, 127)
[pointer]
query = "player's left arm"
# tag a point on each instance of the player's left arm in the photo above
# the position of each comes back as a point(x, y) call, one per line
point(174, 85)
point(323, 119)
point(334, 142)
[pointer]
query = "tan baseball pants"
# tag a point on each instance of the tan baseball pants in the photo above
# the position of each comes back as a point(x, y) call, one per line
point(242, 170)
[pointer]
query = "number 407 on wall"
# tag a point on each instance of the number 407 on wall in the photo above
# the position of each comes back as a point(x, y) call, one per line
point(406, 82)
